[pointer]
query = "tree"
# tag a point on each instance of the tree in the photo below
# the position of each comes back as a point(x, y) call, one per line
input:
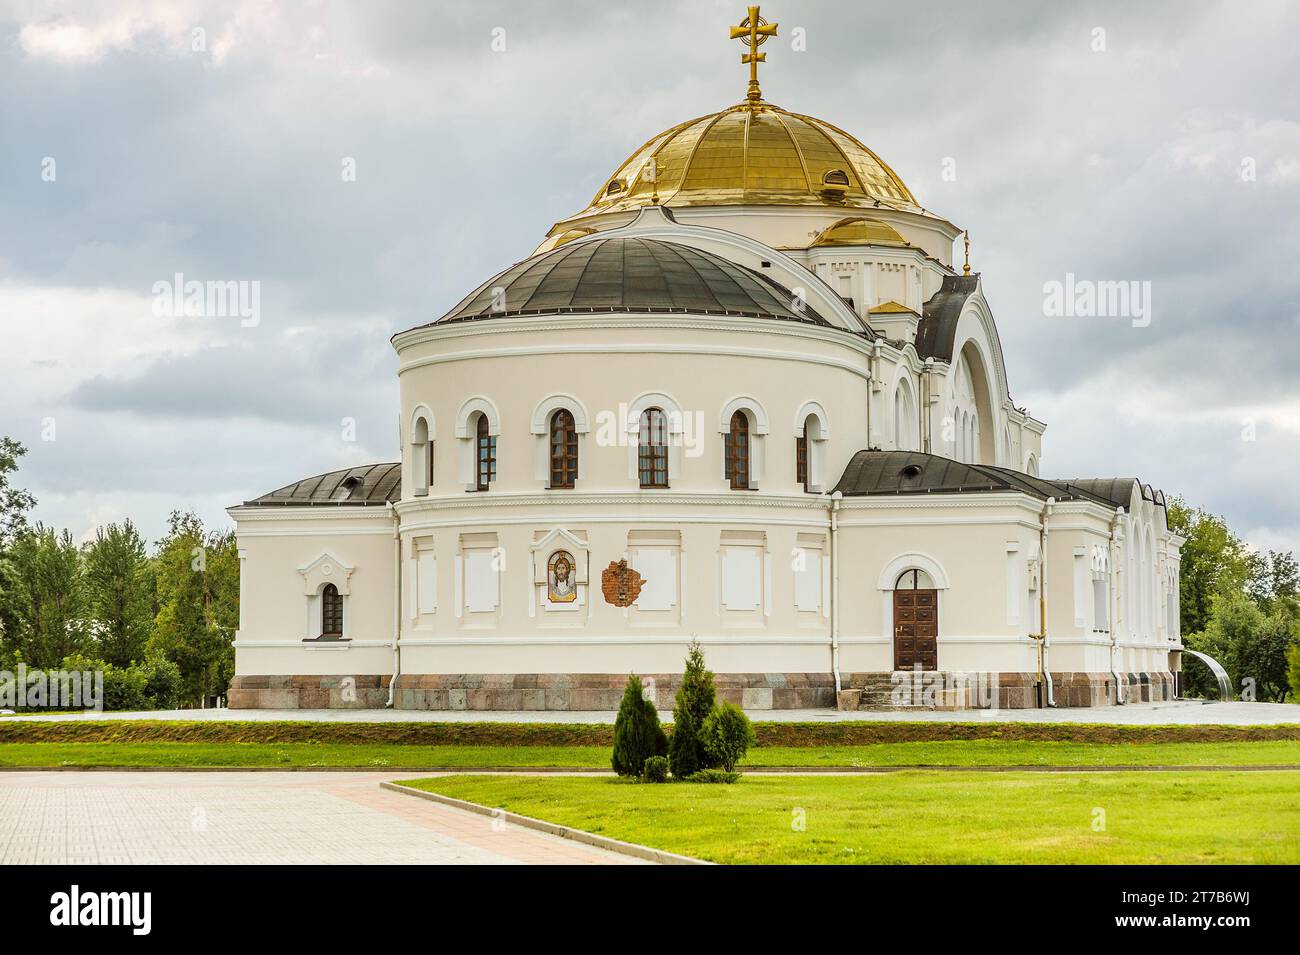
point(1274, 578)
point(198, 605)
point(638, 734)
point(1214, 561)
point(14, 502)
point(694, 703)
point(43, 604)
point(120, 585)
point(1293, 669)
point(727, 735)
point(1251, 645)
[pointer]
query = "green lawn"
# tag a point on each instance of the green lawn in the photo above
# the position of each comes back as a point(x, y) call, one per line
point(925, 817)
point(469, 756)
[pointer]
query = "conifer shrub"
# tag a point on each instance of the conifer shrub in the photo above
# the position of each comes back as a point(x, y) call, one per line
point(694, 703)
point(656, 770)
point(727, 735)
point(638, 734)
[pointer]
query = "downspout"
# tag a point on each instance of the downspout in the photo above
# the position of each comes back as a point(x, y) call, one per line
point(873, 370)
point(1044, 663)
point(923, 412)
point(397, 605)
point(1112, 597)
point(835, 589)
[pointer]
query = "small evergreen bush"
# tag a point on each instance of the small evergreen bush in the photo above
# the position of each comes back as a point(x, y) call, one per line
point(637, 732)
point(695, 699)
point(713, 776)
point(727, 735)
point(656, 770)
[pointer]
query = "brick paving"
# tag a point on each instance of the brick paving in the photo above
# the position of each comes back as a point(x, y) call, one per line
point(135, 818)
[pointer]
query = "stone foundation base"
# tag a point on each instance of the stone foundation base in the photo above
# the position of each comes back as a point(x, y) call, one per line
point(753, 691)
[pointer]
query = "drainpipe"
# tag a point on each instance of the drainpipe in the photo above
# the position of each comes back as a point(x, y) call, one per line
point(397, 604)
point(835, 590)
point(1112, 597)
point(1044, 663)
point(923, 412)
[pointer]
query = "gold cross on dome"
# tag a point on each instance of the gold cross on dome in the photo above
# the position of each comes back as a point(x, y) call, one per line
point(754, 30)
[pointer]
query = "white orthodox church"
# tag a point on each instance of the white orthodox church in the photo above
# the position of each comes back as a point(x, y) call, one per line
point(745, 397)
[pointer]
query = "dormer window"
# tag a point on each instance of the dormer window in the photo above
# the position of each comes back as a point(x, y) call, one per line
point(615, 187)
point(836, 177)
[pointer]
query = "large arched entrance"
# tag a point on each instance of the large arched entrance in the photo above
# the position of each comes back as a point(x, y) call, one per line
point(916, 621)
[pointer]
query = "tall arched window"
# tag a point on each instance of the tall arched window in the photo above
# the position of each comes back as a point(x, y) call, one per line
point(737, 451)
point(331, 612)
point(564, 450)
point(801, 455)
point(486, 446)
point(652, 448)
point(422, 457)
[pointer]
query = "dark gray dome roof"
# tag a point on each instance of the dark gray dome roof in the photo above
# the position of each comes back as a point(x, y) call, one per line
point(368, 484)
point(630, 275)
point(915, 472)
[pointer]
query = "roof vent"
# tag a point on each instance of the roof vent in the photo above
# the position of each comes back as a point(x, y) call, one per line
point(346, 487)
point(910, 472)
point(834, 185)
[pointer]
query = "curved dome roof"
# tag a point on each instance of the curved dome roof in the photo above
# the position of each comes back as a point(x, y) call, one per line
point(860, 230)
point(629, 275)
point(368, 484)
point(753, 153)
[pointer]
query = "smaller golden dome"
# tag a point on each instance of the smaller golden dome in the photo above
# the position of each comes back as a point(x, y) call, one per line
point(860, 230)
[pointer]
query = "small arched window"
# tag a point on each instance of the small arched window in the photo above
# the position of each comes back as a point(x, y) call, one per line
point(331, 612)
point(737, 452)
point(652, 448)
point(914, 579)
point(564, 450)
point(486, 446)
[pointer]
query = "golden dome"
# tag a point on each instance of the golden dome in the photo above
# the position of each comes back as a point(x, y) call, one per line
point(754, 153)
point(860, 230)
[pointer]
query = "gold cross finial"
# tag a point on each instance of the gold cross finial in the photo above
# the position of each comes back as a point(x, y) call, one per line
point(965, 269)
point(755, 31)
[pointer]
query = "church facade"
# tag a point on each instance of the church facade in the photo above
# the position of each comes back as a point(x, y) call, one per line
point(746, 397)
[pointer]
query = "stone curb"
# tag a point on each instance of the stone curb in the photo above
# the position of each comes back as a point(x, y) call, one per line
point(595, 771)
point(564, 832)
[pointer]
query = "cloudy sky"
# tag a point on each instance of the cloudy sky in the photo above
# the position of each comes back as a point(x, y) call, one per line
point(1154, 142)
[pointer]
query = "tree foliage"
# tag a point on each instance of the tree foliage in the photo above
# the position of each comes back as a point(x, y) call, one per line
point(198, 605)
point(43, 604)
point(638, 734)
point(1214, 561)
point(694, 703)
point(120, 588)
point(14, 502)
point(727, 735)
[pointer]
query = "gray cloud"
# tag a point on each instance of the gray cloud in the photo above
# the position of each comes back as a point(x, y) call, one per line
point(225, 165)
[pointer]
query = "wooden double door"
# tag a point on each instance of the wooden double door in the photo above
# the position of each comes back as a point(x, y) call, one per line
point(916, 629)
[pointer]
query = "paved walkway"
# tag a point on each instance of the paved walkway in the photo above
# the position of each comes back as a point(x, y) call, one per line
point(255, 818)
point(1182, 712)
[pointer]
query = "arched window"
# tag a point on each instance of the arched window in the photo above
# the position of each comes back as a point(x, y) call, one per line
point(486, 447)
point(801, 456)
point(422, 457)
point(652, 448)
point(564, 449)
point(914, 579)
point(331, 612)
point(737, 452)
